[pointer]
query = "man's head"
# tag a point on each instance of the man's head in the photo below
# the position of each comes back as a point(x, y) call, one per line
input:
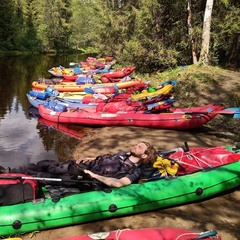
point(145, 152)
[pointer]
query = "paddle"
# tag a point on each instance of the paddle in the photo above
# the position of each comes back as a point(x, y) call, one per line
point(89, 90)
point(96, 185)
point(72, 63)
point(234, 111)
point(165, 153)
point(65, 100)
point(207, 234)
point(45, 179)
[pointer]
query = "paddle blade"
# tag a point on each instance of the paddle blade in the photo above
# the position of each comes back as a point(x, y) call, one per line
point(207, 234)
point(233, 111)
point(89, 90)
point(72, 64)
point(116, 88)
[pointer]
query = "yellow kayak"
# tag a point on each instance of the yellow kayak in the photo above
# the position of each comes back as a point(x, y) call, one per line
point(164, 88)
point(72, 95)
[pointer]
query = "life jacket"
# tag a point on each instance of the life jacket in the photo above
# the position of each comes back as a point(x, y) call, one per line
point(166, 167)
point(112, 165)
point(137, 88)
point(119, 166)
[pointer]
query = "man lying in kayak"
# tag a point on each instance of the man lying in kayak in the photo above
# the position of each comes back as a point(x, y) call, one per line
point(123, 168)
point(113, 170)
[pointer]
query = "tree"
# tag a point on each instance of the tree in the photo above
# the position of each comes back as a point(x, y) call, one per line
point(206, 33)
point(190, 32)
point(7, 25)
point(226, 34)
point(51, 19)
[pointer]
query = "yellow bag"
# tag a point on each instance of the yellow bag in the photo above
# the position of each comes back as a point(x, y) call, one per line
point(165, 166)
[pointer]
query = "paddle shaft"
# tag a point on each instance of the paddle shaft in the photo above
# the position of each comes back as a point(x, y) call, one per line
point(231, 111)
point(203, 112)
point(43, 179)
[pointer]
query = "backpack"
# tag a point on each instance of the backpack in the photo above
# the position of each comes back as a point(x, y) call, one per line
point(15, 189)
point(121, 106)
point(55, 106)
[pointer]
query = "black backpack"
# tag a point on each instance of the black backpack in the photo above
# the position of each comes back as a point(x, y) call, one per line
point(15, 189)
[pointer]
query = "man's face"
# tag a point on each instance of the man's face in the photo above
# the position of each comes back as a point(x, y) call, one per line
point(139, 150)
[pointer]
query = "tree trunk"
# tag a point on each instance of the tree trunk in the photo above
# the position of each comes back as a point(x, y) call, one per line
point(119, 3)
point(191, 38)
point(206, 33)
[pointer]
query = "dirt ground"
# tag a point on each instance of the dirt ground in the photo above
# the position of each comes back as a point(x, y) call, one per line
point(220, 213)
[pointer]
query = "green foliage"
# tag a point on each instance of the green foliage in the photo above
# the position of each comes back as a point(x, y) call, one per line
point(153, 35)
point(226, 32)
point(7, 26)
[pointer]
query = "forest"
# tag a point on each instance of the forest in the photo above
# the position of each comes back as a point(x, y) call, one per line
point(151, 34)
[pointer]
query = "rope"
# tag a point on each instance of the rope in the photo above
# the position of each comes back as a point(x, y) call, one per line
point(198, 160)
point(187, 234)
point(120, 231)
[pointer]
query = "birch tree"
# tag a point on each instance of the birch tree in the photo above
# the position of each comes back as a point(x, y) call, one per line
point(206, 33)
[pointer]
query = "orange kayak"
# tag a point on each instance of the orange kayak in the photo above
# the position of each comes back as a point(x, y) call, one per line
point(73, 87)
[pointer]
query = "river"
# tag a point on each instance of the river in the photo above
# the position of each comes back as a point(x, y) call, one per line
point(23, 137)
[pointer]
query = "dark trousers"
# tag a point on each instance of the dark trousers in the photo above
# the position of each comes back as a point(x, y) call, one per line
point(48, 169)
point(44, 168)
point(66, 171)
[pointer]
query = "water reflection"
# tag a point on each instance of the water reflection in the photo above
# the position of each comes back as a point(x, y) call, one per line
point(19, 140)
point(71, 130)
point(22, 139)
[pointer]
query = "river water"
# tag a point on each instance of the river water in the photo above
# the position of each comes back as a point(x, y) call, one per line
point(23, 137)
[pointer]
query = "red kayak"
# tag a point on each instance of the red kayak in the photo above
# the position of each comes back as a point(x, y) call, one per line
point(69, 78)
point(200, 158)
point(117, 74)
point(149, 234)
point(175, 118)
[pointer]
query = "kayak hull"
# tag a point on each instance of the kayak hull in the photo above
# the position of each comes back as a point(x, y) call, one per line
point(67, 102)
point(148, 234)
point(73, 87)
point(188, 118)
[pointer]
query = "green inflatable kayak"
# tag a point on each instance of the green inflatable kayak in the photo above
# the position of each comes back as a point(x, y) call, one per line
point(97, 205)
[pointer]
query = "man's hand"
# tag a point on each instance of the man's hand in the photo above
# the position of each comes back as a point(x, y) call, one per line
point(111, 182)
point(93, 175)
